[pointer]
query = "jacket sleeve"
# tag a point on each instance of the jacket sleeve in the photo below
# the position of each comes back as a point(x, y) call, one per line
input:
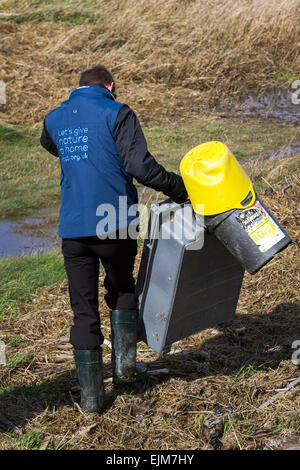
point(138, 162)
point(47, 142)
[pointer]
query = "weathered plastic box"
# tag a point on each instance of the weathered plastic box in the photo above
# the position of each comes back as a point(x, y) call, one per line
point(182, 287)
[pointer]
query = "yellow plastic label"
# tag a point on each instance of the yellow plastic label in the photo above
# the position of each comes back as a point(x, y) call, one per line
point(261, 232)
point(260, 227)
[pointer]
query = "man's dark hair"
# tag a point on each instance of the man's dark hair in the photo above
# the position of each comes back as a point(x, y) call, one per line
point(95, 76)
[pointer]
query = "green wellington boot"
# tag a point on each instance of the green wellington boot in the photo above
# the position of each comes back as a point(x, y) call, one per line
point(90, 376)
point(124, 338)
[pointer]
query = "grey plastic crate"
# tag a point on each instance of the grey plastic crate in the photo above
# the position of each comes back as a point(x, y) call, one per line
point(182, 287)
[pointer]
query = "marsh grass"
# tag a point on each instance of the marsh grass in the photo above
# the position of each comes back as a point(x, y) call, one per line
point(21, 277)
point(243, 366)
point(169, 58)
point(29, 178)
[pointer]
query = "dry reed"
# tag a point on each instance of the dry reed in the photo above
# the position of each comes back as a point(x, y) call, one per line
point(171, 57)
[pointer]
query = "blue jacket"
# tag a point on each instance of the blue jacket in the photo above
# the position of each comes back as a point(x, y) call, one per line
point(92, 174)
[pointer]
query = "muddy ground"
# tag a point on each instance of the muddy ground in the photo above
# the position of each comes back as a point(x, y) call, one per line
point(213, 393)
point(233, 387)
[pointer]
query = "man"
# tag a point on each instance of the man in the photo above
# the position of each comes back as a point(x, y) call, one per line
point(101, 147)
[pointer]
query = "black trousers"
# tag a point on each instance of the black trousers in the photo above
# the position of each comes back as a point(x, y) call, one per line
point(82, 257)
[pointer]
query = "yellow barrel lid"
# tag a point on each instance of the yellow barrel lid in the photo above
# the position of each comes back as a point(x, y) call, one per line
point(214, 179)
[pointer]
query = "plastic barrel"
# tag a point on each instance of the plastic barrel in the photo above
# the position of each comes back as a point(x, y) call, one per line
point(252, 235)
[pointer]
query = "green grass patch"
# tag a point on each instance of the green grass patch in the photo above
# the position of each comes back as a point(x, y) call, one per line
point(201, 422)
point(291, 422)
point(227, 426)
point(68, 17)
point(246, 371)
point(44, 388)
point(34, 389)
point(245, 138)
point(16, 340)
point(31, 440)
point(21, 277)
point(17, 359)
point(62, 11)
point(6, 389)
point(29, 177)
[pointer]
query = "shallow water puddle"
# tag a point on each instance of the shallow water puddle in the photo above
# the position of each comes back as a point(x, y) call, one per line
point(282, 104)
point(29, 234)
point(277, 104)
point(290, 149)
